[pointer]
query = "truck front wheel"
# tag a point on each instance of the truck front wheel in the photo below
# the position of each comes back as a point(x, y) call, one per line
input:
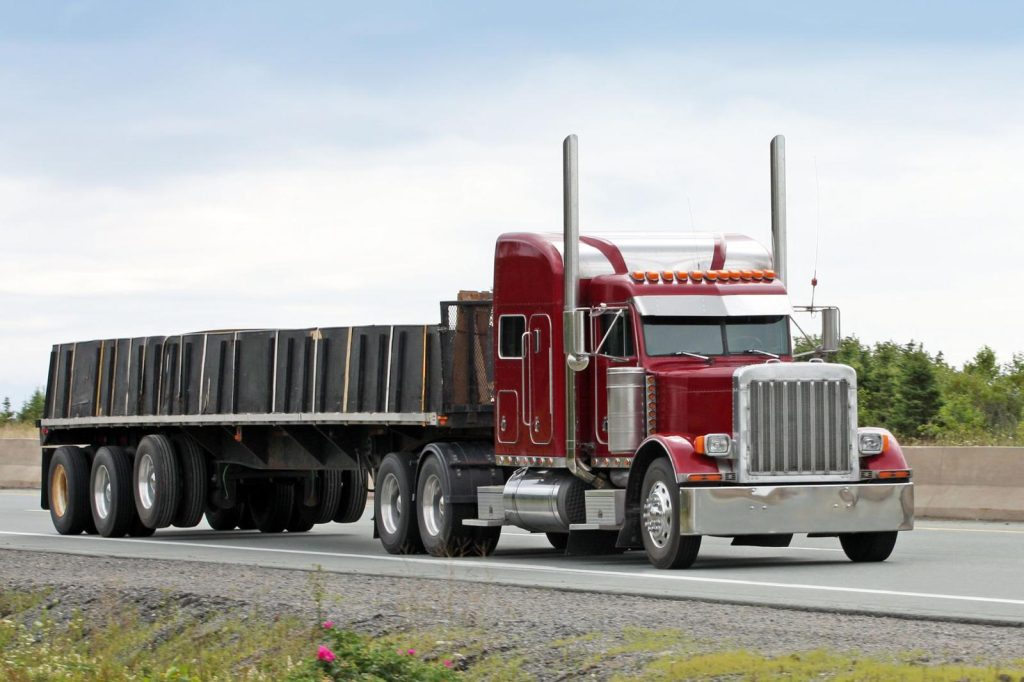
point(862, 547)
point(393, 510)
point(665, 547)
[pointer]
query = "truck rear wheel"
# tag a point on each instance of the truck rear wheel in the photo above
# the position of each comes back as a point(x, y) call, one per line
point(157, 481)
point(271, 506)
point(193, 483)
point(665, 547)
point(393, 510)
point(68, 479)
point(440, 521)
point(355, 488)
point(110, 485)
point(303, 518)
point(864, 547)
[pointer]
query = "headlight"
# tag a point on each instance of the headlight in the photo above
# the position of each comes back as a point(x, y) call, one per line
point(714, 444)
point(871, 443)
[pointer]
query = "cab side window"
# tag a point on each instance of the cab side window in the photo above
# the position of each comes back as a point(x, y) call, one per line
point(619, 343)
point(510, 336)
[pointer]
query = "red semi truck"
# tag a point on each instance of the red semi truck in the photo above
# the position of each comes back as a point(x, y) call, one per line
point(616, 392)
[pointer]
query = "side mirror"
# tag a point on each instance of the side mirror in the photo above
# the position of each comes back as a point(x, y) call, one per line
point(574, 331)
point(830, 336)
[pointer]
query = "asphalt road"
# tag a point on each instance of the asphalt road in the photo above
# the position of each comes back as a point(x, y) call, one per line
point(947, 570)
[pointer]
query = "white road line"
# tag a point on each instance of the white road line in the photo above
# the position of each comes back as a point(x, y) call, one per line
point(560, 570)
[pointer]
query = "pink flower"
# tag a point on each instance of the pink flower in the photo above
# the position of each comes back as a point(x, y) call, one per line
point(328, 624)
point(411, 652)
point(448, 663)
point(325, 654)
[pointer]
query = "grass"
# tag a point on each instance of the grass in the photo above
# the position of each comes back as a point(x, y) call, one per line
point(115, 641)
point(16, 430)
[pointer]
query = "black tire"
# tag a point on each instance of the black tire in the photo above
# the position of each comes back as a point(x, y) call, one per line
point(156, 481)
point(136, 529)
point(246, 520)
point(192, 464)
point(110, 492)
point(224, 519)
point(864, 547)
point(271, 506)
point(659, 522)
point(393, 510)
point(302, 518)
point(355, 488)
point(68, 480)
point(558, 540)
point(329, 487)
point(440, 521)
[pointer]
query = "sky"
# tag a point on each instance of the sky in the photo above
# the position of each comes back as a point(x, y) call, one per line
point(178, 166)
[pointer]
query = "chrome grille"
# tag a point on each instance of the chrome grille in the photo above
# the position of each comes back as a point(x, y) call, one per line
point(799, 427)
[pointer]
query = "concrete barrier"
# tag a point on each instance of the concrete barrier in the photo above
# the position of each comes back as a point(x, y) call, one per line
point(968, 483)
point(951, 483)
point(19, 463)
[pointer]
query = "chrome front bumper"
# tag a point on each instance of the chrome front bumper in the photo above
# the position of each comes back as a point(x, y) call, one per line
point(766, 509)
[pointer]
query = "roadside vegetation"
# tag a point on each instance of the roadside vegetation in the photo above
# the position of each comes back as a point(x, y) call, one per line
point(116, 640)
point(21, 423)
point(924, 400)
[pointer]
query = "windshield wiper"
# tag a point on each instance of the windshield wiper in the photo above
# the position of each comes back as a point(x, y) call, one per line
point(755, 351)
point(688, 354)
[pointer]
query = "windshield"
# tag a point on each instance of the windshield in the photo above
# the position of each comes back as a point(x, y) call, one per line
point(716, 335)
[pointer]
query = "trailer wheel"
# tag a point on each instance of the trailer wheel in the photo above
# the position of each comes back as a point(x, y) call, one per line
point(157, 481)
point(193, 483)
point(355, 488)
point(224, 519)
point(665, 547)
point(330, 488)
point(393, 510)
point(864, 547)
point(302, 518)
point(137, 530)
point(110, 486)
point(440, 521)
point(68, 481)
point(273, 509)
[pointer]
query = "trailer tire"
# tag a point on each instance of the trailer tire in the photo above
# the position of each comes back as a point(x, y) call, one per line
point(110, 488)
point(394, 512)
point(659, 522)
point(136, 529)
point(440, 520)
point(68, 483)
point(865, 547)
point(273, 511)
point(156, 481)
point(330, 489)
point(224, 519)
point(245, 517)
point(193, 483)
point(303, 518)
point(355, 489)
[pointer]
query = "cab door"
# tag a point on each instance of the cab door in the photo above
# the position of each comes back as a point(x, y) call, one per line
point(540, 365)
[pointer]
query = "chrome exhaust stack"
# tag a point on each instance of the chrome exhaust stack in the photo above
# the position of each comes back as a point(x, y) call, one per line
point(778, 163)
point(573, 328)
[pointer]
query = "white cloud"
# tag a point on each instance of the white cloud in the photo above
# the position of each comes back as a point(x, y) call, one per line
point(912, 158)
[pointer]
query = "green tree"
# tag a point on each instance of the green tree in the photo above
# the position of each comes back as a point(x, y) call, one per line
point(32, 409)
point(6, 414)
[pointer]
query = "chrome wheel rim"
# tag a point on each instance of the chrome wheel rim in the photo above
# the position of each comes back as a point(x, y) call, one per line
point(101, 492)
point(390, 503)
point(432, 505)
point(147, 482)
point(657, 514)
point(59, 491)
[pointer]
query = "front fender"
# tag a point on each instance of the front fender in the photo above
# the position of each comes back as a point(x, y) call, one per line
point(685, 460)
point(890, 458)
